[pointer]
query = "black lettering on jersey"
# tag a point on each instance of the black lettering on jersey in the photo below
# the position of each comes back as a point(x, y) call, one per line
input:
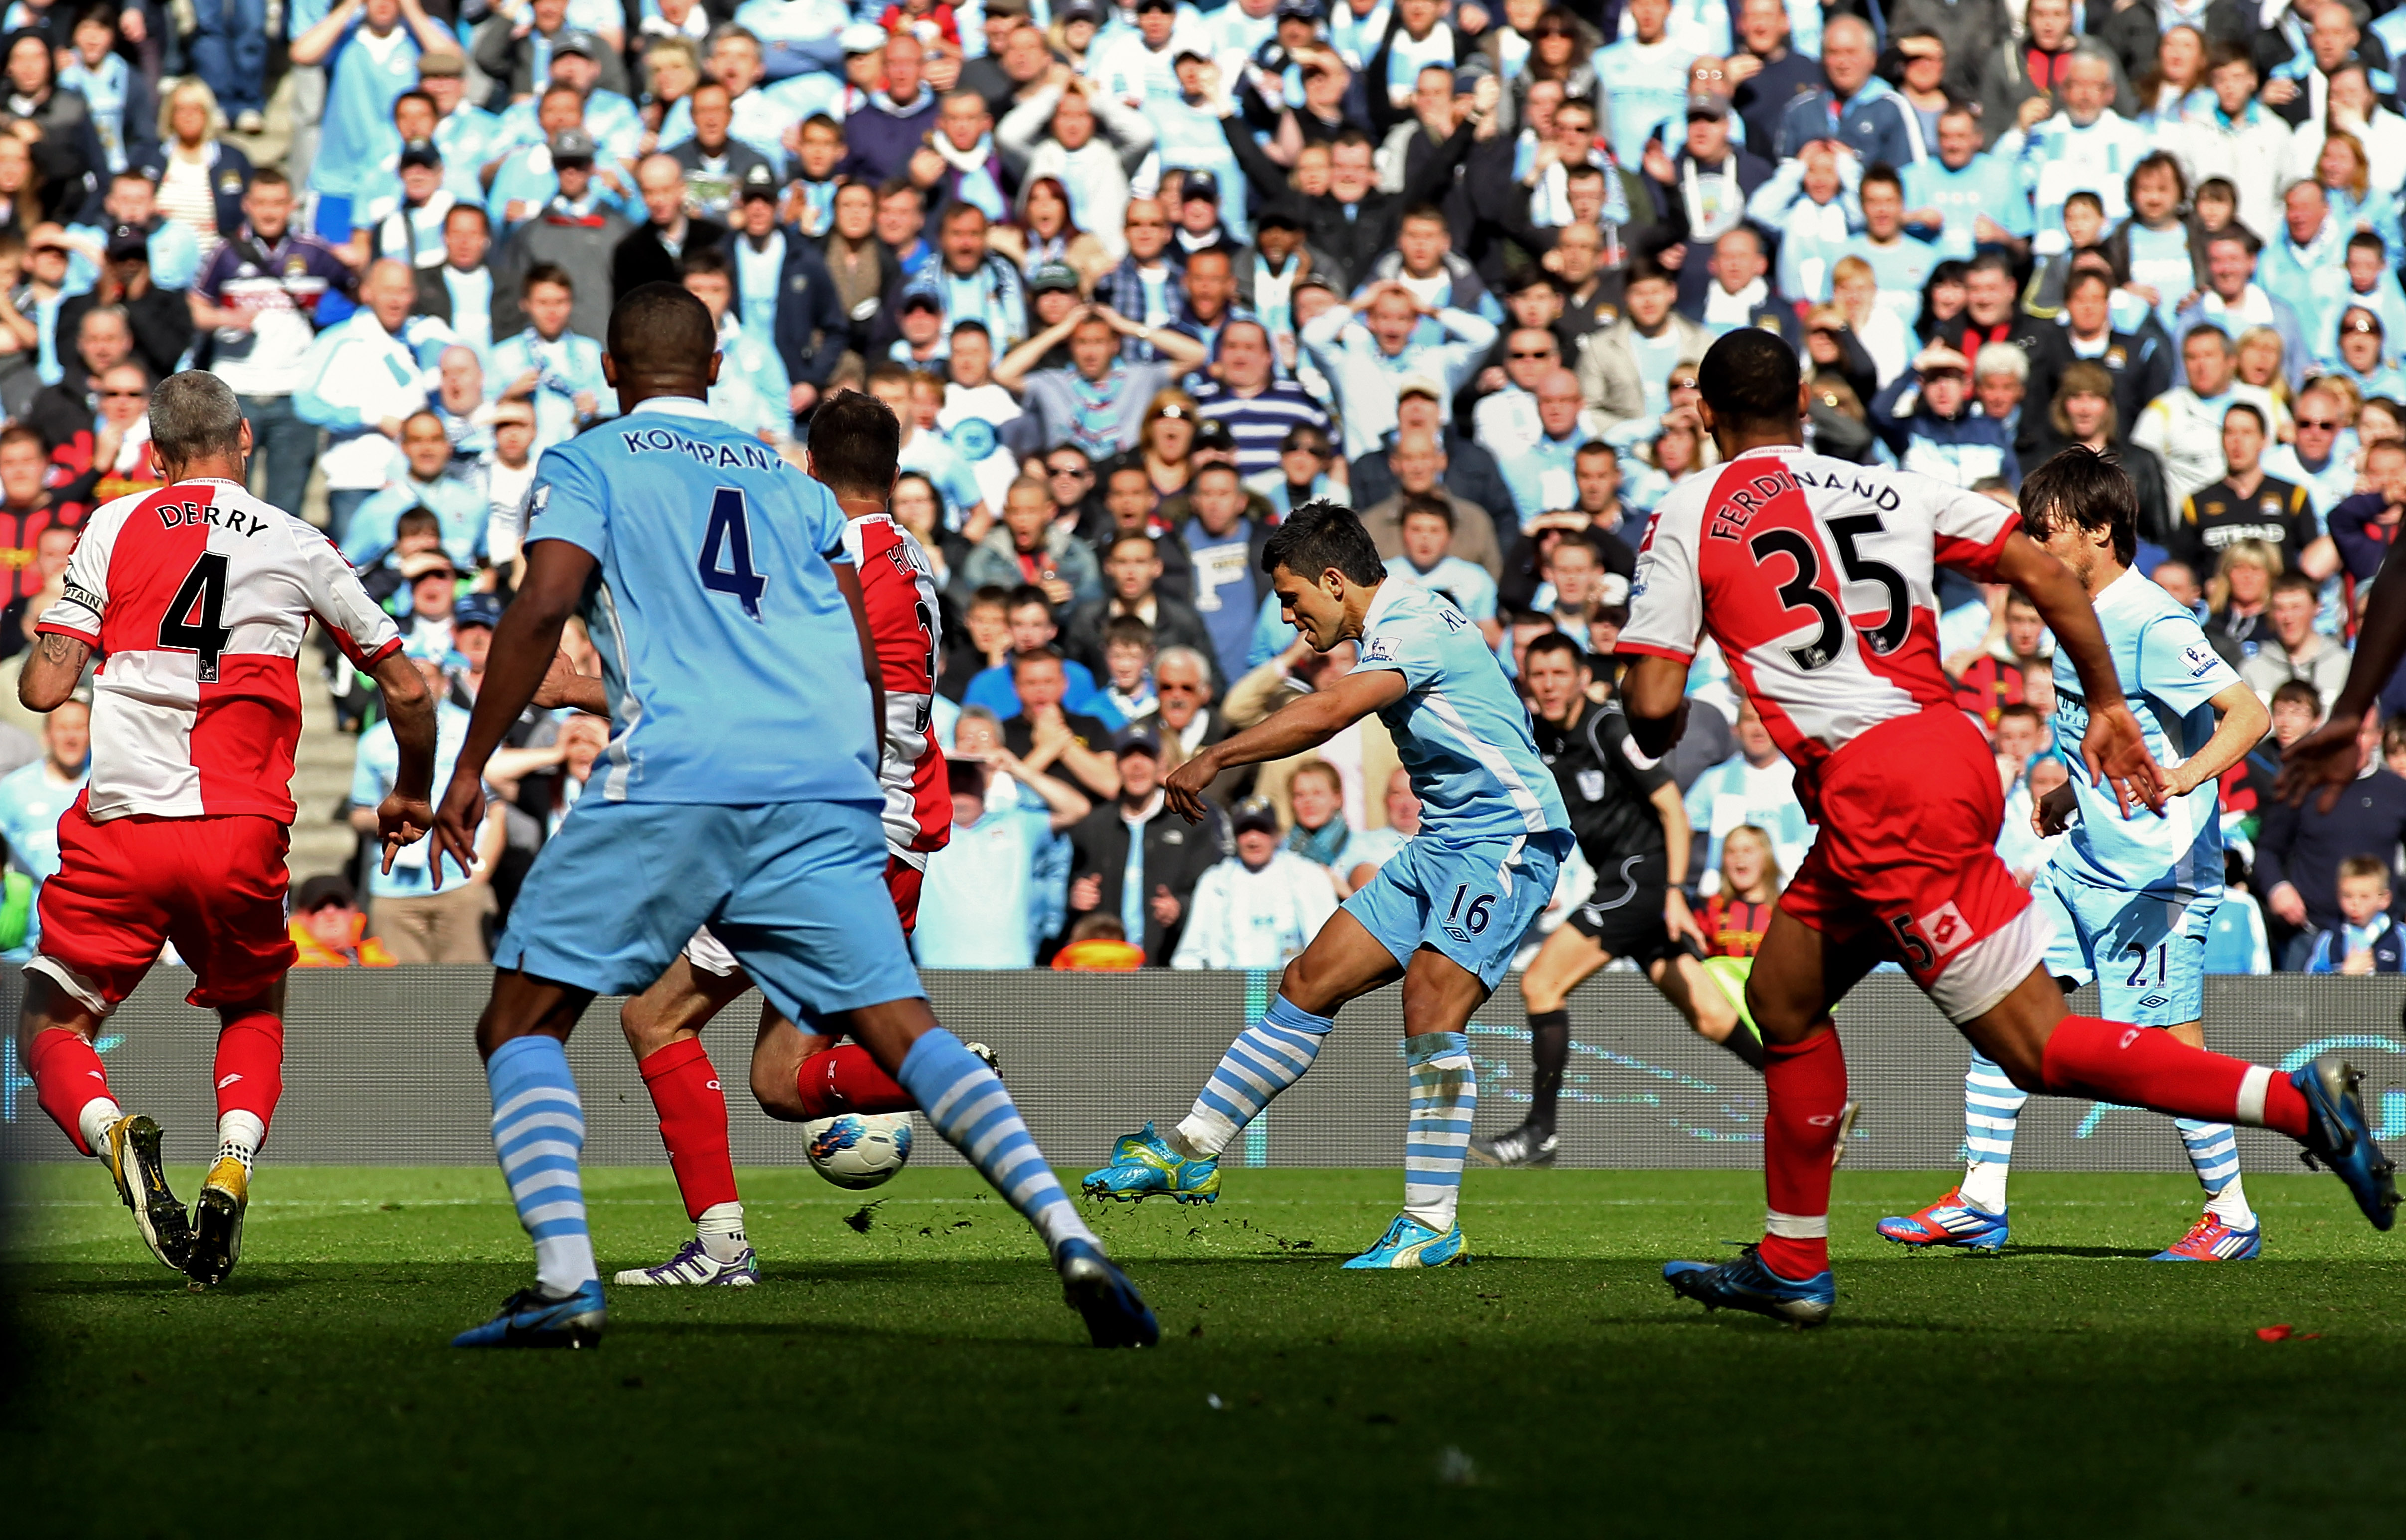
point(172, 514)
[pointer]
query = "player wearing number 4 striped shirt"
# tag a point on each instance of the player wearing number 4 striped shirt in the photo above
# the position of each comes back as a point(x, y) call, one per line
point(1814, 576)
point(739, 790)
point(1444, 915)
point(2129, 900)
point(197, 596)
point(664, 1024)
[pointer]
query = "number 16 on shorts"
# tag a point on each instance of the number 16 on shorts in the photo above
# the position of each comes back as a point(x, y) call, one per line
point(1463, 922)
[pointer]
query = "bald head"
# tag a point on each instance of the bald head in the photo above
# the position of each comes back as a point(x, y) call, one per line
point(662, 342)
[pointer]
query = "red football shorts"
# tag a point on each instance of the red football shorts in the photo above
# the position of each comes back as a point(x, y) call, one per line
point(215, 886)
point(1908, 849)
point(904, 880)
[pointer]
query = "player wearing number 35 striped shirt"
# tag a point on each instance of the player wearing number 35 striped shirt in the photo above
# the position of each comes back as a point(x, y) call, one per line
point(196, 597)
point(1815, 577)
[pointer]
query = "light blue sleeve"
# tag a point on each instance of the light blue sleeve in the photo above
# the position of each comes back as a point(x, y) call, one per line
point(307, 404)
point(2178, 665)
point(1403, 645)
point(569, 500)
point(375, 766)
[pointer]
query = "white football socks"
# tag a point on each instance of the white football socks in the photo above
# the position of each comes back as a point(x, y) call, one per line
point(1984, 1185)
point(721, 1230)
point(238, 1137)
point(93, 1123)
point(2230, 1207)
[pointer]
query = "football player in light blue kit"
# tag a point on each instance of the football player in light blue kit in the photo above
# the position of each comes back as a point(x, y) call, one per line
point(1443, 914)
point(738, 790)
point(2129, 900)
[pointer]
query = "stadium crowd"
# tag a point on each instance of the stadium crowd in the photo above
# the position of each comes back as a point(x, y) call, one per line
point(1139, 279)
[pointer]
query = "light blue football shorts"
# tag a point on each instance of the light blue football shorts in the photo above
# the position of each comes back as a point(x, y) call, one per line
point(1472, 900)
point(2145, 951)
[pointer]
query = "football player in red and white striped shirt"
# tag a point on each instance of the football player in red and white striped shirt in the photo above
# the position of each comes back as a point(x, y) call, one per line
point(799, 1075)
point(196, 597)
point(1814, 576)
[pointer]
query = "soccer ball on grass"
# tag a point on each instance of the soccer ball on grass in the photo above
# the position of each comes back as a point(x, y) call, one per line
point(859, 1149)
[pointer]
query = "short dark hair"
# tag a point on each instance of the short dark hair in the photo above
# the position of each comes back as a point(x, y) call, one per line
point(2088, 492)
point(1425, 502)
point(1554, 641)
point(705, 259)
point(551, 272)
point(1750, 376)
point(1881, 172)
point(1127, 630)
point(855, 442)
point(2296, 582)
point(1022, 595)
point(1320, 535)
point(2299, 693)
point(414, 519)
point(2251, 409)
point(1033, 655)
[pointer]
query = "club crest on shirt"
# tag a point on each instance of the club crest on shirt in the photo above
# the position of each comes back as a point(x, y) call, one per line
point(1591, 784)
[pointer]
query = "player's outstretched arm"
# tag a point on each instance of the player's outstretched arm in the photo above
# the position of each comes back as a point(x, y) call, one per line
point(2115, 750)
point(1299, 725)
point(403, 817)
point(523, 648)
point(1654, 696)
point(2328, 757)
point(51, 674)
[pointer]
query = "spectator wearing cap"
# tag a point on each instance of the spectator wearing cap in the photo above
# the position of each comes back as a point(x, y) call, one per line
point(468, 137)
point(883, 132)
point(651, 252)
point(160, 318)
point(1259, 411)
point(522, 52)
point(1195, 224)
point(1089, 143)
point(406, 226)
point(370, 49)
point(1926, 418)
point(785, 292)
point(577, 233)
point(1371, 347)
point(527, 179)
point(1258, 908)
point(329, 929)
point(418, 922)
point(716, 163)
point(1703, 186)
point(457, 290)
point(425, 481)
point(132, 201)
point(547, 362)
point(1135, 860)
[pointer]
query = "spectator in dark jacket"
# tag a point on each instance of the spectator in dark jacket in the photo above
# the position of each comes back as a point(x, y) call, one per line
point(192, 121)
point(803, 314)
point(1766, 70)
point(650, 251)
point(160, 318)
point(882, 135)
point(1132, 574)
point(2299, 850)
point(1135, 837)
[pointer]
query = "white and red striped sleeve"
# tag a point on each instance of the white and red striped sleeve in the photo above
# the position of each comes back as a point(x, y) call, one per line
point(359, 625)
point(83, 596)
point(1968, 530)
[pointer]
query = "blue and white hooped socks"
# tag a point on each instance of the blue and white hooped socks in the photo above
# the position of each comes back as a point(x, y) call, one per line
point(1445, 1093)
point(1267, 1058)
point(970, 1108)
point(2213, 1152)
point(1992, 1103)
point(538, 1133)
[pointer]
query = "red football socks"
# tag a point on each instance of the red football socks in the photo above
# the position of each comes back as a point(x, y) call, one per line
point(251, 1065)
point(693, 1123)
point(845, 1079)
point(1804, 1085)
point(68, 1078)
point(2138, 1067)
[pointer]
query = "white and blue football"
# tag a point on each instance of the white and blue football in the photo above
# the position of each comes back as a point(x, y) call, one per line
point(859, 1149)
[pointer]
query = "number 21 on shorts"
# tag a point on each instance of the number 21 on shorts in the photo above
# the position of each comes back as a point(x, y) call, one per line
point(1474, 917)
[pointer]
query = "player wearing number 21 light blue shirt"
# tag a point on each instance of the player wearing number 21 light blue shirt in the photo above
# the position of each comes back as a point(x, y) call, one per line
point(738, 790)
point(2131, 900)
point(1444, 915)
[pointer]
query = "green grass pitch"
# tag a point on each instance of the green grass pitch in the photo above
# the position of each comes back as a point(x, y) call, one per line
point(921, 1375)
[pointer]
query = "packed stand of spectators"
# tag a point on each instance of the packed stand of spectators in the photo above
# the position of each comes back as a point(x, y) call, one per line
point(1139, 278)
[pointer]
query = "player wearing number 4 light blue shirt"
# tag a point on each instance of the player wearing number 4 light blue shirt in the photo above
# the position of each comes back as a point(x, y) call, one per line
point(738, 790)
point(1443, 914)
point(2131, 900)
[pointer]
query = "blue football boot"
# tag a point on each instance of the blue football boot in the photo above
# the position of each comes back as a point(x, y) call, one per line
point(2337, 1136)
point(1746, 1285)
point(532, 1319)
point(1948, 1222)
point(1143, 1163)
point(1116, 1315)
point(1408, 1243)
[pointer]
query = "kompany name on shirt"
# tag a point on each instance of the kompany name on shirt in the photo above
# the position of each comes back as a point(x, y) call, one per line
point(745, 455)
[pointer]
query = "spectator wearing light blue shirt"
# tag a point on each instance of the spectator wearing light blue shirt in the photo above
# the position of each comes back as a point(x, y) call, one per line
point(32, 799)
point(1963, 198)
point(1755, 785)
point(1427, 561)
point(416, 922)
point(459, 503)
point(558, 370)
point(371, 50)
point(1543, 473)
point(361, 379)
point(985, 901)
point(1367, 349)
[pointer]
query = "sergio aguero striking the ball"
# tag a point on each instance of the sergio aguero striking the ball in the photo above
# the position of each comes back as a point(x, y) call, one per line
point(1444, 915)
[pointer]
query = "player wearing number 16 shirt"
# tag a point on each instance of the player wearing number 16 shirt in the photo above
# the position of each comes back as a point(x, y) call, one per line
point(196, 598)
point(1814, 576)
point(738, 790)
